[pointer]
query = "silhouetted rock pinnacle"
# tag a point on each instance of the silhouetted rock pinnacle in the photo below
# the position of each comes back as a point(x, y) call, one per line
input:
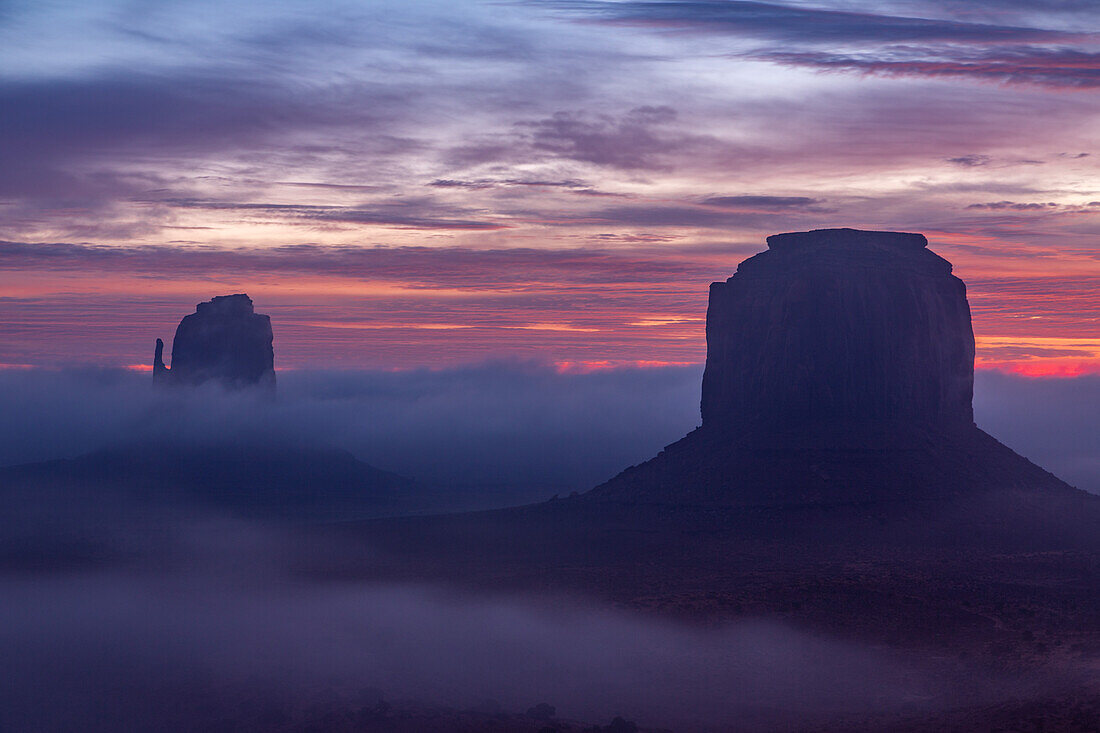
point(839, 337)
point(223, 340)
point(840, 368)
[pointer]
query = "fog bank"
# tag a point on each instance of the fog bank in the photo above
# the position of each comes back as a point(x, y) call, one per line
point(519, 430)
point(225, 635)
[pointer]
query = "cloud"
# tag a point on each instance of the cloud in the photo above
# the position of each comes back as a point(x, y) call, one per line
point(425, 266)
point(767, 203)
point(642, 139)
point(505, 182)
point(718, 212)
point(95, 102)
point(1060, 68)
point(630, 142)
point(1064, 306)
point(800, 24)
point(1014, 206)
point(67, 137)
point(973, 160)
point(661, 216)
point(216, 632)
point(405, 215)
point(1000, 9)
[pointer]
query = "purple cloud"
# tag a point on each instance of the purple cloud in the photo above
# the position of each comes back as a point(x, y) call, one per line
point(764, 202)
point(415, 266)
point(409, 215)
point(971, 161)
point(1062, 68)
point(643, 138)
point(631, 141)
point(99, 117)
point(1014, 206)
point(801, 24)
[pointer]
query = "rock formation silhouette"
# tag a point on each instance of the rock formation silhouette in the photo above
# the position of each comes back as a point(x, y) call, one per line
point(840, 337)
point(279, 482)
point(224, 340)
point(840, 367)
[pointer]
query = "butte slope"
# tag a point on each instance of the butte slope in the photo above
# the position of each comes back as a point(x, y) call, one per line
point(840, 371)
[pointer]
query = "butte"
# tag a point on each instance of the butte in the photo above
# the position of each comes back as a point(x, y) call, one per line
point(226, 341)
point(840, 370)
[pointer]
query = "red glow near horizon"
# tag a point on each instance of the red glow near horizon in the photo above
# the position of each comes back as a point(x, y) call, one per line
point(1041, 326)
point(1038, 370)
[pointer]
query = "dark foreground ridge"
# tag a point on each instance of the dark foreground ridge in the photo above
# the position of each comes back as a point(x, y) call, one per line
point(224, 340)
point(245, 481)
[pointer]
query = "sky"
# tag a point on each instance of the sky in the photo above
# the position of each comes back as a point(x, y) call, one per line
point(427, 184)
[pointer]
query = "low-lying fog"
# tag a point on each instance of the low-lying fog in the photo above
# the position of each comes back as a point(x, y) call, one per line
point(517, 432)
point(199, 622)
point(211, 629)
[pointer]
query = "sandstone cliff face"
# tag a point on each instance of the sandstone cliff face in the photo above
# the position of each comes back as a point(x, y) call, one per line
point(839, 338)
point(224, 340)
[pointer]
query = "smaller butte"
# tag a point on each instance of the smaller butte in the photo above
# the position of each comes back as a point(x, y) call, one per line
point(225, 341)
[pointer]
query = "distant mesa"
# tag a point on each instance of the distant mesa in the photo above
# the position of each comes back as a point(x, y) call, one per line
point(279, 482)
point(225, 341)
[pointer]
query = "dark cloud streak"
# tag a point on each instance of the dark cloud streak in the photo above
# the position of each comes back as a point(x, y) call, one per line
point(645, 138)
point(52, 126)
point(764, 202)
point(1060, 68)
point(800, 24)
point(401, 215)
point(454, 266)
